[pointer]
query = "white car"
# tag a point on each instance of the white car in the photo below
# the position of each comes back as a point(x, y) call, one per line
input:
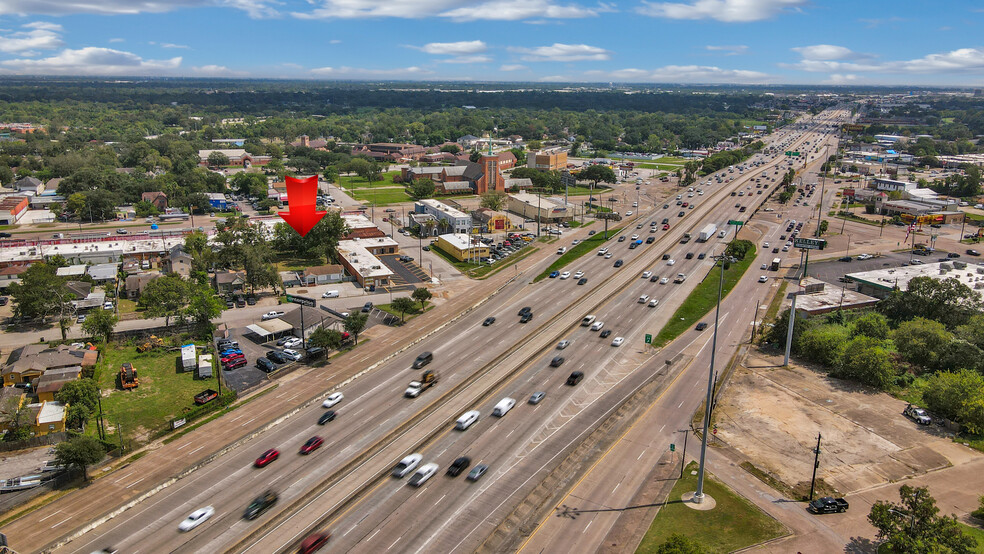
point(635, 237)
point(764, 279)
point(647, 274)
point(597, 325)
point(608, 255)
point(330, 294)
point(618, 341)
point(563, 344)
point(196, 518)
point(291, 354)
point(565, 275)
point(271, 315)
point(333, 398)
point(671, 261)
point(865, 257)
point(765, 245)
point(575, 242)
point(579, 274)
point(653, 303)
point(561, 250)
point(635, 204)
point(764, 266)
point(664, 280)
point(644, 298)
point(628, 213)
point(293, 342)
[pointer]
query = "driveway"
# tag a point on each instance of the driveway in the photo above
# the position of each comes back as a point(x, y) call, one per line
point(406, 272)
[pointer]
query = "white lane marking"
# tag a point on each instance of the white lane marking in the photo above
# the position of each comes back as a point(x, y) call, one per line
point(350, 529)
point(197, 449)
point(373, 535)
point(394, 543)
point(51, 515)
point(616, 488)
point(661, 428)
point(248, 422)
point(586, 527)
point(183, 446)
point(641, 454)
point(134, 483)
point(127, 476)
point(439, 500)
point(60, 522)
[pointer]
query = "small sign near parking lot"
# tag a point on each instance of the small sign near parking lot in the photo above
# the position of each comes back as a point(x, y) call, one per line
point(302, 300)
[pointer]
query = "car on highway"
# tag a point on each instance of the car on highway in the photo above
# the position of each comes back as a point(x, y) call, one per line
point(554, 274)
point(701, 326)
point(597, 325)
point(458, 465)
point(561, 250)
point(764, 279)
point(565, 275)
point(653, 303)
point(557, 361)
point(578, 274)
point(526, 317)
point(536, 397)
point(406, 465)
point(488, 321)
point(582, 281)
point(671, 261)
point(608, 255)
point(972, 252)
point(333, 398)
point(329, 415)
point(606, 333)
point(267, 457)
point(621, 239)
point(261, 504)
point(524, 310)
point(313, 543)
point(477, 472)
point(681, 214)
point(618, 341)
point(311, 445)
point(643, 299)
point(635, 237)
point(271, 315)
point(563, 344)
point(618, 263)
point(574, 378)
point(196, 518)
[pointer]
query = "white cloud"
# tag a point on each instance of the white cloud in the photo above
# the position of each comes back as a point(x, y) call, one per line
point(334, 41)
point(40, 36)
point(455, 48)
point(842, 79)
point(468, 59)
point(828, 52)
point(459, 10)
point(255, 8)
point(513, 67)
point(116, 40)
point(963, 60)
point(555, 79)
point(171, 45)
point(730, 50)
point(558, 52)
point(732, 11)
point(218, 71)
point(361, 73)
point(681, 74)
point(93, 61)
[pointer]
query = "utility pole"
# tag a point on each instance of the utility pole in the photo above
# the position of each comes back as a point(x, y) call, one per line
point(699, 494)
point(755, 322)
point(789, 331)
point(816, 464)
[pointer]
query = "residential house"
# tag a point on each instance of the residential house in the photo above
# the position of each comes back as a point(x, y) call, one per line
point(104, 274)
point(31, 186)
point(290, 279)
point(178, 261)
point(48, 385)
point(47, 417)
point(30, 362)
point(76, 270)
point(135, 284)
point(11, 274)
point(158, 199)
point(227, 282)
point(319, 275)
point(80, 289)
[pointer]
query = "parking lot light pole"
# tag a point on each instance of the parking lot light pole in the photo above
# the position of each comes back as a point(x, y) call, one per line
point(699, 494)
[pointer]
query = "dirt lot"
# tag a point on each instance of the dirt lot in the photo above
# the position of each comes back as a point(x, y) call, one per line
point(771, 416)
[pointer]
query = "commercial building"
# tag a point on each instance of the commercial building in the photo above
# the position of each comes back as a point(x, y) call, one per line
point(890, 185)
point(236, 156)
point(321, 274)
point(539, 208)
point(462, 247)
point(217, 200)
point(358, 257)
point(13, 208)
point(360, 227)
point(448, 218)
point(390, 151)
point(545, 160)
point(492, 221)
point(881, 282)
point(821, 298)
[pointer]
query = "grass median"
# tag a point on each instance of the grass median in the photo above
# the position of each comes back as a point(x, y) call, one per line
point(589, 244)
point(734, 522)
point(702, 299)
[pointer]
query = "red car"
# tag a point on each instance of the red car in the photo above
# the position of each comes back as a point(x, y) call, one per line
point(238, 362)
point(666, 226)
point(232, 358)
point(267, 457)
point(314, 543)
point(311, 445)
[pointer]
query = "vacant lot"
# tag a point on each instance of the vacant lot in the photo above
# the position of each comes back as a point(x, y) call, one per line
point(772, 416)
point(163, 393)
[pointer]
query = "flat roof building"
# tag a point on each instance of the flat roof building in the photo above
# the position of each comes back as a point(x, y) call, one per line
point(360, 261)
point(881, 282)
point(462, 247)
point(535, 207)
point(448, 218)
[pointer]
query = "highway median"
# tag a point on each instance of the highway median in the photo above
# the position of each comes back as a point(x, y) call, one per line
point(585, 246)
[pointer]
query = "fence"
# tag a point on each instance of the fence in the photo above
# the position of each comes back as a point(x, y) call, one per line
point(174, 329)
point(33, 442)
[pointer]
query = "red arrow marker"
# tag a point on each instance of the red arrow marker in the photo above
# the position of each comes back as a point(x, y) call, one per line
point(301, 195)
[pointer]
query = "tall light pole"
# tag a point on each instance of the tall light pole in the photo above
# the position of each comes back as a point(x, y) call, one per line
point(699, 494)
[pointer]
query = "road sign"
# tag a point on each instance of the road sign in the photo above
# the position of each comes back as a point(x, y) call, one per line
point(735, 222)
point(567, 179)
point(649, 338)
point(809, 244)
point(672, 447)
point(302, 300)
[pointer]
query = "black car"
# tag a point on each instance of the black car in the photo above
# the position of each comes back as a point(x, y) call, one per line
point(5, 235)
point(250, 300)
point(666, 256)
point(701, 256)
point(701, 326)
point(666, 220)
point(953, 255)
point(260, 505)
point(574, 378)
point(488, 321)
point(650, 240)
point(524, 311)
point(582, 280)
point(458, 466)
point(265, 365)
point(681, 214)
point(973, 253)
point(557, 361)
point(775, 250)
point(367, 307)
point(275, 356)
point(845, 259)
point(690, 255)
point(606, 333)
point(654, 278)
point(618, 263)
point(526, 317)
point(326, 417)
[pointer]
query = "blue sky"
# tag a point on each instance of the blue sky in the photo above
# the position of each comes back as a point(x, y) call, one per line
point(901, 42)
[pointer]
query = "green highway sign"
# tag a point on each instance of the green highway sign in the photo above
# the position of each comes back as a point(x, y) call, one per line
point(672, 447)
point(302, 300)
point(649, 338)
point(792, 153)
point(809, 244)
point(735, 222)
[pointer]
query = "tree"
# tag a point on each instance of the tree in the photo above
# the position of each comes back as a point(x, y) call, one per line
point(972, 331)
point(452, 148)
point(82, 398)
point(913, 525)
point(957, 395)
point(40, 293)
point(330, 174)
point(867, 361)
point(680, 544)
point(920, 341)
point(100, 323)
point(823, 226)
point(421, 188)
point(871, 324)
point(145, 209)
point(17, 417)
point(403, 305)
point(422, 295)
point(475, 156)
point(75, 204)
point(494, 200)
point(824, 344)
point(80, 452)
point(330, 339)
point(164, 297)
point(948, 301)
point(598, 173)
point(6, 175)
point(355, 323)
point(217, 159)
point(203, 306)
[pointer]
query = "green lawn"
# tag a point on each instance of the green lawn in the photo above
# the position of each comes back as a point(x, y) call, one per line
point(702, 300)
point(732, 524)
point(586, 246)
point(382, 197)
point(474, 270)
point(163, 393)
point(661, 167)
point(349, 182)
point(388, 308)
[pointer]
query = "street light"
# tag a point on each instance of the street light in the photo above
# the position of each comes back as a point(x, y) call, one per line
point(699, 494)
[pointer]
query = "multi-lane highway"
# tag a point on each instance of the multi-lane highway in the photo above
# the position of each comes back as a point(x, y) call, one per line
point(344, 486)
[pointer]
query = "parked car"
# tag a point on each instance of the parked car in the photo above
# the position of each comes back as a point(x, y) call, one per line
point(292, 342)
point(917, 414)
point(265, 365)
point(271, 315)
point(828, 505)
